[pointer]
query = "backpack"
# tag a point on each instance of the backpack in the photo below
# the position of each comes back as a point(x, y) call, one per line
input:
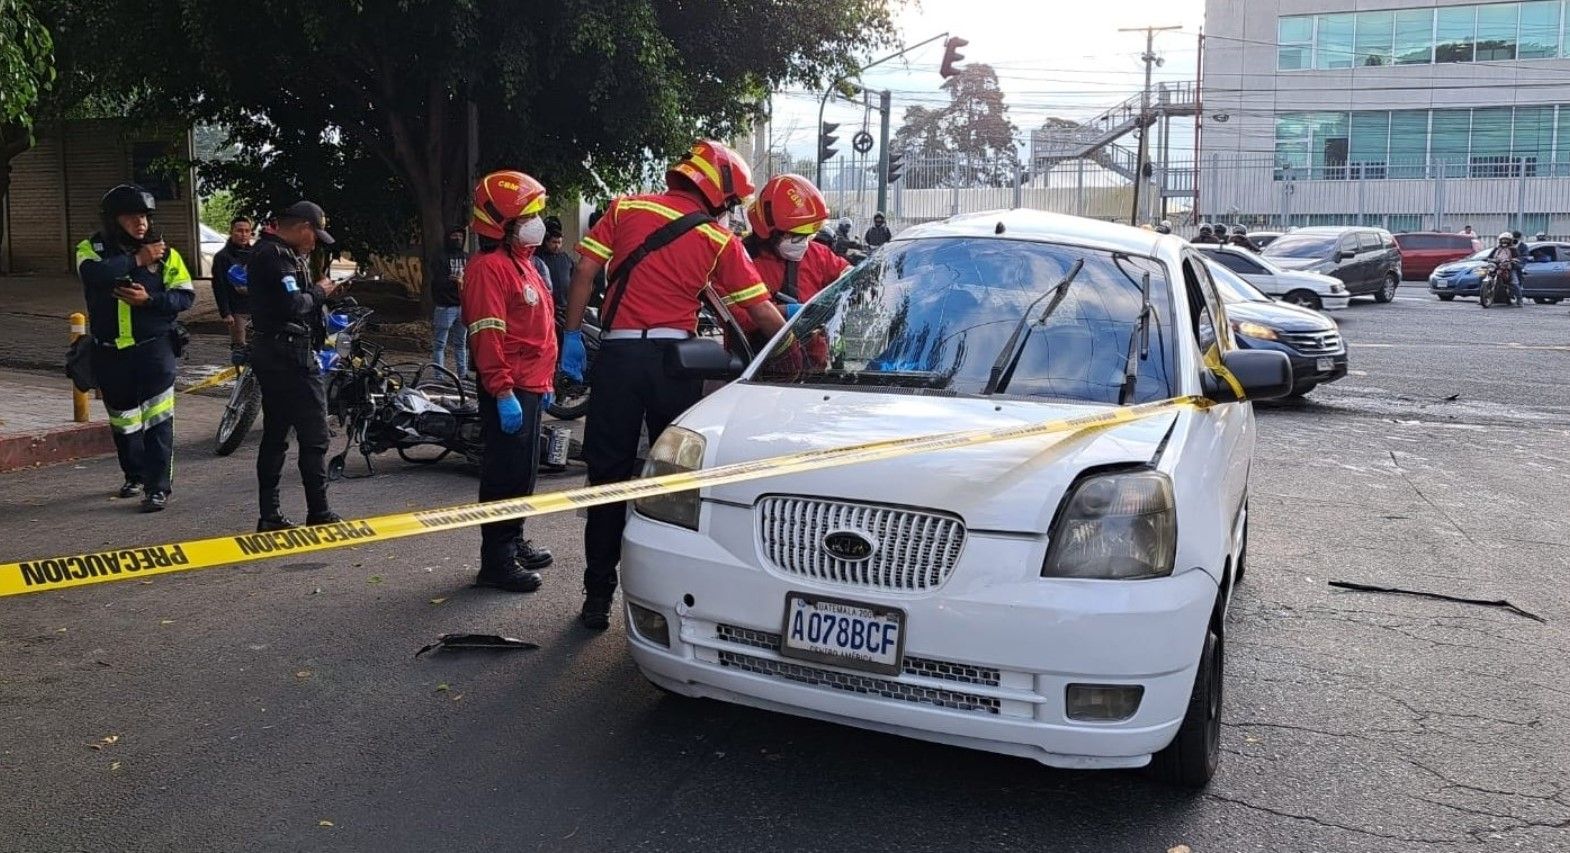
point(79, 364)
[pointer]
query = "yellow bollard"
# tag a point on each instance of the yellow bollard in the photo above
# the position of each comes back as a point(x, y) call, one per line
point(78, 398)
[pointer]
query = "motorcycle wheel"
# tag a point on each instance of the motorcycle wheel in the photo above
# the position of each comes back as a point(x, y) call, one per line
point(245, 403)
point(571, 403)
point(1485, 294)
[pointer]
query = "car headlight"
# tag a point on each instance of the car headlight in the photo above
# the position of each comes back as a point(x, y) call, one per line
point(1119, 526)
point(676, 450)
point(1253, 330)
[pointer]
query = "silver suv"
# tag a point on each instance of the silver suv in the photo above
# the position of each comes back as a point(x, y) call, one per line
point(1366, 259)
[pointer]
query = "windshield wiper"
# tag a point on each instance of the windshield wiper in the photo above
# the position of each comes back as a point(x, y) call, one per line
point(1138, 344)
point(1008, 359)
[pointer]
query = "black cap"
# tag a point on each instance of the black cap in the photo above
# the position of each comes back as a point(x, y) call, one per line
point(312, 213)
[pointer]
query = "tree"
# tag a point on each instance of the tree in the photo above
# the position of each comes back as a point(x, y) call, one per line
point(367, 112)
point(26, 71)
point(974, 124)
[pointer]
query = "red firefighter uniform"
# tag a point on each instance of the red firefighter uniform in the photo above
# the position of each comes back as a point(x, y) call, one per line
point(511, 320)
point(817, 270)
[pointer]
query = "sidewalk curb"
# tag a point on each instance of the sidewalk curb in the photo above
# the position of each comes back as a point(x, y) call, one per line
point(52, 446)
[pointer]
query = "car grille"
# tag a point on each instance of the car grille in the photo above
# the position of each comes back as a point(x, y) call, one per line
point(1313, 343)
point(913, 550)
point(866, 685)
point(923, 667)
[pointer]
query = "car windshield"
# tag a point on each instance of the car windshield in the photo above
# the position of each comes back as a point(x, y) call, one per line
point(1302, 246)
point(936, 316)
point(1232, 286)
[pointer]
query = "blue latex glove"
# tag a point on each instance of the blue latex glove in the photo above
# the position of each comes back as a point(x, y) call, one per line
point(510, 412)
point(791, 309)
point(573, 356)
point(546, 400)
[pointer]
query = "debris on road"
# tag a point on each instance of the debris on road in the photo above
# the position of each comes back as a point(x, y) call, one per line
point(478, 641)
point(1500, 603)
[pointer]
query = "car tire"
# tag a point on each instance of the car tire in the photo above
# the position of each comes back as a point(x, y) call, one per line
point(1387, 291)
point(1304, 299)
point(1191, 759)
point(1545, 300)
point(1446, 297)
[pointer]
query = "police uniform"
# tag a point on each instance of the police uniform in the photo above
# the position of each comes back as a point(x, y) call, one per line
point(657, 305)
point(133, 355)
point(287, 318)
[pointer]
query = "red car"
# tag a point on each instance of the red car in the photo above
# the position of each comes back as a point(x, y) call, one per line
point(1422, 251)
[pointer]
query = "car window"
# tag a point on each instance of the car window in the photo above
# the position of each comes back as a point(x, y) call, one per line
point(933, 316)
point(1203, 304)
point(1367, 241)
point(1543, 255)
point(1420, 242)
point(1458, 243)
point(1301, 246)
point(1348, 244)
point(1233, 288)
point(1235, 262)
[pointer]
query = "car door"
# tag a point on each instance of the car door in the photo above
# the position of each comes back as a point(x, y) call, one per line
point(1249, 269)
point(1554, 272)
point(1371, 259)
point(1348, 268)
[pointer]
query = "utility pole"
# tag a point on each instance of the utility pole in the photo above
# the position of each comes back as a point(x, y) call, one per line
point(1151, 61)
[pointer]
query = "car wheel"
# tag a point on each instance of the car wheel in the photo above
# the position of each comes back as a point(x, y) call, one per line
point(1388, 291)
point(1304, 298)
point(1447, 297)
point(1190, 760)
point(1544, 300)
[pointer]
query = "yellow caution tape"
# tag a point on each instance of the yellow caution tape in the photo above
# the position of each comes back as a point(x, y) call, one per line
point(218, 378)
point(116, 564)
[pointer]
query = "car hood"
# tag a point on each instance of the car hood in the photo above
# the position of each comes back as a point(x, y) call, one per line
point(1296, 263)
point(1303, 278)
point(1457, 267)
point(1007, 486)
point(1279, 315)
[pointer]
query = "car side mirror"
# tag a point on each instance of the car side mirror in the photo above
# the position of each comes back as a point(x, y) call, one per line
point(1262, 374)
point(702, 358)
point(1345, 255)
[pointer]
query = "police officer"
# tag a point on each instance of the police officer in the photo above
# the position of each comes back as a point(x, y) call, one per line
point(1240, 239)
point(286, 313)
point(511, 319)
point(135, 287)
point(686, 243)
point(1206, 235)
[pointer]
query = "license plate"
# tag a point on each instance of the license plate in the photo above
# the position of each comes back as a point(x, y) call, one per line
point(1325, 365)
point(1442, 285)
point(843, 633)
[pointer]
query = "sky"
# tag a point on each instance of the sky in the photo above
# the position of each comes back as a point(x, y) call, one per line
point(1050, 61)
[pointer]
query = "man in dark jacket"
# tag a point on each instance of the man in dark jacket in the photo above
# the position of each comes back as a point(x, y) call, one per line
point(559, 263)
point(233, 305)
point(447, 321)
point(879, 233)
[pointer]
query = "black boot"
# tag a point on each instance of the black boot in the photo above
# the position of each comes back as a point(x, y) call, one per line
point(155, 501)
point(130, 489)
point(533, 558)
point(511, 577)
point(328, 517)
point(596, 613)
point(274, 521)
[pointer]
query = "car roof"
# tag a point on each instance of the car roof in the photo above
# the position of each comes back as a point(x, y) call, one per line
point(1336, 229)
point(1041, 226)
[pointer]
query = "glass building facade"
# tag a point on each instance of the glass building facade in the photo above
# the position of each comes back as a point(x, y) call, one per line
point(1491, 32)
point(1487, 142)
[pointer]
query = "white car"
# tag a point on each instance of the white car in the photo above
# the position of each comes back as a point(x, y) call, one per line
point(1057, 599)
point(213, 242)
point(1296, 287)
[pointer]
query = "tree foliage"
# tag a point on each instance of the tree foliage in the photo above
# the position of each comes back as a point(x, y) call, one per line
point(26, 61)
point(975, 125)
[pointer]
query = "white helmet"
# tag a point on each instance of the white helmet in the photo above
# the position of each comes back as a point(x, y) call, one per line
point(1506, 236)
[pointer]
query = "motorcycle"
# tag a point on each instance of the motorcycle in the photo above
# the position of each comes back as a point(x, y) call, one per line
point(1495, 285)
point(572, 397)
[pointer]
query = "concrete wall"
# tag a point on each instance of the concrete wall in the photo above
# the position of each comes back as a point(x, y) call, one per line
point(56, 188)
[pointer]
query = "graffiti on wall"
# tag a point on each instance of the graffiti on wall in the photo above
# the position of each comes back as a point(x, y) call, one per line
point(406, 269)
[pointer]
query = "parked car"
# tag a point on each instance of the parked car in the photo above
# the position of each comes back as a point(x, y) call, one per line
point(1423, 251)
point(1264, 238)
point(1310, 339)
point(1308, 289)
point(212, 243)
point(1365, 259)
point(1545, 276)
point(1060, 601)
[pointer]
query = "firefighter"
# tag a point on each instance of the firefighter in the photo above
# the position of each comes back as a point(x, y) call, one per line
point(787, 215)
point(660, 251)
point(511, 319)
point(286, 319)
point(135, 288)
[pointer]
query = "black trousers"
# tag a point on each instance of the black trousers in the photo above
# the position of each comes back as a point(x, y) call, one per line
point(509, 466)
point(294, 396)
point(628, 392)
point(138, 387)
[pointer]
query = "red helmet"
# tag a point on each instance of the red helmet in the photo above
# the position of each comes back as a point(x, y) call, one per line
point(718, 172)
point(501, 197)
point(788, 204)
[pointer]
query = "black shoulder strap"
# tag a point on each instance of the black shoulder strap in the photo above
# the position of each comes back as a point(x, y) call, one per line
point(789, 288)
point(616, 283)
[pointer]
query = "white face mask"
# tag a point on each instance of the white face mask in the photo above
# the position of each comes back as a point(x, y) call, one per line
point(794, 248)
point(530, 232)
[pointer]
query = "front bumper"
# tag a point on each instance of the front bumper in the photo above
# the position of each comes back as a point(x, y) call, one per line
point(987, 656)
point(1305, 368)
point(1454, 285)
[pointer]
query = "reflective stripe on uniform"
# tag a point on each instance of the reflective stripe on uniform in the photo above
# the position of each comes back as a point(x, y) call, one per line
point(717, 235)
point(753, 292)
point(595, 248)
point(484, 323)
point(84, 253)
point(176, 276)
point(123, 338)
point(125, 422)
point(158, 409)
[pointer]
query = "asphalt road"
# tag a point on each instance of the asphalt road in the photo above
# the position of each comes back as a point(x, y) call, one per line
point(278, 706)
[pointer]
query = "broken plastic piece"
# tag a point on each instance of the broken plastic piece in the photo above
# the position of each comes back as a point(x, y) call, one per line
point(1500, 603)
point(478, 641)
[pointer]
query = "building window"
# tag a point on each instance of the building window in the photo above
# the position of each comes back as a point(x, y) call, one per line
point(1414, 36)
point(1333, 41)
point(1497, 27)
point(1375, 34)
point(1370, 146)
point(1295, 36)
point(1533, 144)
point(1490, 154)
point(1455, 29)
point(1487, 142)
point(1539, 31)
point(1409, 144)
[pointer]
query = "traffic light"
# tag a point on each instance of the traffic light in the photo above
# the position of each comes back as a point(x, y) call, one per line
point(952, 55)
point(896, 167)
point(826, 140)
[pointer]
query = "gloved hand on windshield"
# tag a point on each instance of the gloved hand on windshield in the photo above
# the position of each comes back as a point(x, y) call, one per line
point(790, 309)
point(573, 356)
point(510, 411)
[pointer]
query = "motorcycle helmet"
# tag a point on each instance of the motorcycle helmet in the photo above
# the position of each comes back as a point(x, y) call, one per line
point(1506, 238)
point(1239, 231)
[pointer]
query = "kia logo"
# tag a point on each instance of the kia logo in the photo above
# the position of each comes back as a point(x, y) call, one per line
point(848, 545)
